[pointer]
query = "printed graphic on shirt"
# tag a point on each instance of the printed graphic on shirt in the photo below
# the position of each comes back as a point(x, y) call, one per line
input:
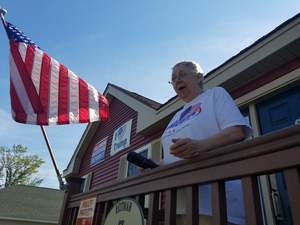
point(186, 115)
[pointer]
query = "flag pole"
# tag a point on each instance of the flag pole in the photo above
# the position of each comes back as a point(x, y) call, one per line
point(60, 180)
point(2, 14)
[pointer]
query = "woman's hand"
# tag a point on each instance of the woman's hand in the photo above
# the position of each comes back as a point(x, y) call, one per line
point(187, 148)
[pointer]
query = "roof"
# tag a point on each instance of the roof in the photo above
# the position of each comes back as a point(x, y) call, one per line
point(145, 107)
point(255, 43)
point(31, 203)
point(149, 102)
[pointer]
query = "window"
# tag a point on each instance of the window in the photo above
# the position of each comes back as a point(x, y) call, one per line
point(98, 153)
point(86, 182)
point(121, 138)
point(151, 151)
point(133, 170)
point(245, 113)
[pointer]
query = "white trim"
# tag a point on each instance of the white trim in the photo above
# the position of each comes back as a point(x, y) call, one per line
point(175, 103)
point(256, 53)
point(147, 147)
point(144, 112)
point(270, 87)
point(87, 182)
point(254, 120)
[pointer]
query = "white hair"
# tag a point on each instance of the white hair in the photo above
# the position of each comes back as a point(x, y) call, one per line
point(190, 66)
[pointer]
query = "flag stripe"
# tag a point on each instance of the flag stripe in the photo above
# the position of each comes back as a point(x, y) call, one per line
point(22, 48)
point(54, 80)
point(83, 102)
point(36, 70)
point(44, 89)
point(29, 59)
point(19, 88)
point(74, 98)
point(93, 104)
point(28, 84)
point(103, 108)
point(63, 106)
point(20, 115)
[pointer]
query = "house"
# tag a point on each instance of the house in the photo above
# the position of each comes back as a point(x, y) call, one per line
point(264, 80)
point(29, 205)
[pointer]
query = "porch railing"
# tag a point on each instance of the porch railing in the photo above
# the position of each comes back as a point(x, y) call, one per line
point(278, 151)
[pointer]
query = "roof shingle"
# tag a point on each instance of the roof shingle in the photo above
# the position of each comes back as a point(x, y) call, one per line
point(31, 203)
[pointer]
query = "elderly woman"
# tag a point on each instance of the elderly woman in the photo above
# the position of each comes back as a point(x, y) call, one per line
point(208, 120)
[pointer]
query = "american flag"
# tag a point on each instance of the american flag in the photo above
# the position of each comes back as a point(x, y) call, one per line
point(44, 91)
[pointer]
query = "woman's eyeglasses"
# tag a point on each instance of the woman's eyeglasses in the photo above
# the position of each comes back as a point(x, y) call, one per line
point(180, 76)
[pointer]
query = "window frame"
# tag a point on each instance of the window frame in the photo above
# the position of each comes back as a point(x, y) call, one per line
point(152, 146)
point(86, 182)
point(147, 147)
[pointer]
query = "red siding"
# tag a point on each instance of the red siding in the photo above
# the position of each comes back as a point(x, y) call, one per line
point(108, 169)
point(266, 78)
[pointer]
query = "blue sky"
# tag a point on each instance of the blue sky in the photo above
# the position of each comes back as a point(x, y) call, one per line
point(130, 43)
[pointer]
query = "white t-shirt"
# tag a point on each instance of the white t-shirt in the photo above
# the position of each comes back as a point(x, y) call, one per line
point(206, 115)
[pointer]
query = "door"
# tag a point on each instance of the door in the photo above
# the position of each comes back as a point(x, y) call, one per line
point(280, 111)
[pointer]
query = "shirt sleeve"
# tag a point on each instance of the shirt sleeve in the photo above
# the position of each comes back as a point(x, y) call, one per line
point(227, 113)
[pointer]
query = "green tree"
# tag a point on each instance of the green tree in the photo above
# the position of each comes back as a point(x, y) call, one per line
point(17, 167)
